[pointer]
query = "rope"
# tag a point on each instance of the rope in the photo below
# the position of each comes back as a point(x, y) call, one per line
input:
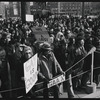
point(53, 78)
point(73, 65)
point(72, 78)
point(12, 90)
point(97, 51)
point(42, 82)
point(76, 63)
point(18, 88)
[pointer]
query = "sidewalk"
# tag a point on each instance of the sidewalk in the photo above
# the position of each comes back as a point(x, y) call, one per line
point(81, 94)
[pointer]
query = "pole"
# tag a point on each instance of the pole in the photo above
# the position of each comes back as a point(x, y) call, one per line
point(58, 9)
point(83, 9)
point(92, 68)
point(5, 11)
point(23, 4)
point(9, 78)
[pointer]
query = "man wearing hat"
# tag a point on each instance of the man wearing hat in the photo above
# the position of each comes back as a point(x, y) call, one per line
point(48, 68)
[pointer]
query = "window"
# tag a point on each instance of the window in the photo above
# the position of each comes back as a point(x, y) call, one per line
point(0, 15)
point(14, 3)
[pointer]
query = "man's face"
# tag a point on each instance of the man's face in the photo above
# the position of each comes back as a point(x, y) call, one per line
point(47, 53)
point(28, 54)
point(51, 31)
point(8, 38)
point(61, 37)
point(20, 48)
point(82, 42)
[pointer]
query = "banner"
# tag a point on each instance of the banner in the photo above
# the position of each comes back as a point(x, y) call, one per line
point(29, 18)
point(41, 34)
point(30, 73)
point(56, 81)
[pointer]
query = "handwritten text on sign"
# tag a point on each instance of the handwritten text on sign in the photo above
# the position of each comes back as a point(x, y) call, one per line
point(56, 81)
point(30, 72)
point(41, 34)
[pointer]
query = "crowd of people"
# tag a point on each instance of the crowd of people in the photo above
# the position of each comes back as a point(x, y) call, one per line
point(72, 39)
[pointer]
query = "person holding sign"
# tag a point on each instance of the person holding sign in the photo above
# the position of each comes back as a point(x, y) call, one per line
point(48, 68)
point(27, 54)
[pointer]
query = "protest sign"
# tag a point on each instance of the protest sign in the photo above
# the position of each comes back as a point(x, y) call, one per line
point(30, 73)
point(41, 34)
point(29, 18)
point(56, 81)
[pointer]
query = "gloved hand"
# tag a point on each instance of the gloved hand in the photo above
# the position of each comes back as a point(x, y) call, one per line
point(64, 73)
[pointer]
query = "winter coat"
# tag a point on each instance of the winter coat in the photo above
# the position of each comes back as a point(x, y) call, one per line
point(48, 68)
point(80, 53)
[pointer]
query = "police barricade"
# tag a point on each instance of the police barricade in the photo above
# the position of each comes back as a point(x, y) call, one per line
point(58, 79)
point(61, 78)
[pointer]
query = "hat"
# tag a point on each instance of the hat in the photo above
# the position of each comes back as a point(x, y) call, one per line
point(21, 45)
point(45, 46)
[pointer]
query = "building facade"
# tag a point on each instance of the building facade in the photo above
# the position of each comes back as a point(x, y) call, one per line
point(66, 8)
point(87, 8)
point(57, 8)
point(2, 10)
point(14, 9)
point(71, 8)
point(92, 8)
point(95, 8)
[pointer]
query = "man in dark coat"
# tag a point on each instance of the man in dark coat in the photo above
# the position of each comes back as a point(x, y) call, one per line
point(87, 63)
point(97, 62)
point(4, 81)
point(80, 52)
point(70, 58)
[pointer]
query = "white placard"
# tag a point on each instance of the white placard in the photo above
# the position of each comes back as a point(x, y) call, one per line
point(29, 18)
point(30, 73)
point(56, 81)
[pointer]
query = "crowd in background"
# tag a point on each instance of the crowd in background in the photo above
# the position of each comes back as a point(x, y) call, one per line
point(72, 39)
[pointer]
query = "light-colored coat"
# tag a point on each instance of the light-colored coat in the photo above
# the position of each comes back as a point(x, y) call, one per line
point(48, 68)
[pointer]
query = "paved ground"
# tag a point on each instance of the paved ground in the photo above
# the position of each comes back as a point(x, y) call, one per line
point(81, 94)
